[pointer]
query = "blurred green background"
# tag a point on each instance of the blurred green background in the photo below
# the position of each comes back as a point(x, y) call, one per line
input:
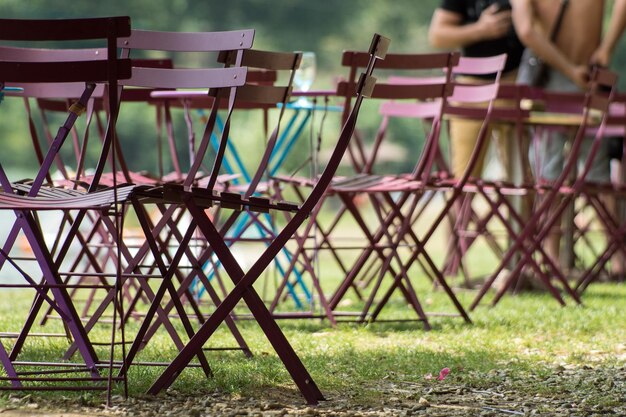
point(326, 27)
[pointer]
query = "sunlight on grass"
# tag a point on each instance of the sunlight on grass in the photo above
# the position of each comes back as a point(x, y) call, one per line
point(522, 340)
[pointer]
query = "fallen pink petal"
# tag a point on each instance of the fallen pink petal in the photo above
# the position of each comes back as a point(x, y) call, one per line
point(428, 376)
point(444, 373)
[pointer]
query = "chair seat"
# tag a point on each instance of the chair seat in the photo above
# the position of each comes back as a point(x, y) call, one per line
point(97, 200)
point(173, 193)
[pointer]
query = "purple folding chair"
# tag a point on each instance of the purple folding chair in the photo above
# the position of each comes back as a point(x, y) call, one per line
point(412, 226)
point(248, 96)
point(96, 250)
point(150, 258)
point(107, 69)
point(594, 197)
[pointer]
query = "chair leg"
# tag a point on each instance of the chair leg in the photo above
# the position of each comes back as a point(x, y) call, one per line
point(8, 367)
point(243, 289)
point(184, 289)
point(62, 298)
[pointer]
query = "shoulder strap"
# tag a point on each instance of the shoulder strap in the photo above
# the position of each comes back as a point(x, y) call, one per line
point(559, 20)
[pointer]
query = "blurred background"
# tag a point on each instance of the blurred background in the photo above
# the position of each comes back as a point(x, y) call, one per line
point(325, 27)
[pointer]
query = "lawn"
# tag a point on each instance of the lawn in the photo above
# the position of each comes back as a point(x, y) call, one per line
point(527, 356)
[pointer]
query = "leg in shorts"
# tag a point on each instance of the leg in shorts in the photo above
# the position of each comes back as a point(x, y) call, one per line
point(464, 135)
point(547, 150)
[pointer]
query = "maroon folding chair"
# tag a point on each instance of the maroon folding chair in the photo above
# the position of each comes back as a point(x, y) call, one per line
point(582, 112)
point(370, 180)
point(149, 259)
point(107, 69)
point(473, 222)
point(97, 248)
point(594, 197)
point(414, 195)
point(196, 200)
point(251, 95)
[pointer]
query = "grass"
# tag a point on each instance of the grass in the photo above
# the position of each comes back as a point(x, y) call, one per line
point(527, 345)
point(520, 343)
point(521, 346)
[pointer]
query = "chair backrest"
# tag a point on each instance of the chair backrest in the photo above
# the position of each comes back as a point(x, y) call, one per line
point(66, 66)
point(465, 97)
point(222, 82)
point(256, 94)
point(232, 160)
point(58, 98)
point(55, 98)
point(417, 85)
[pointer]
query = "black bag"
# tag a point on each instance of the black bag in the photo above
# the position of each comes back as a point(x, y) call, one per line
point(532, 70)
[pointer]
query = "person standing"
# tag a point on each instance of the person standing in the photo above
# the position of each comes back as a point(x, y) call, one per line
point(480, 28)
point(579, 44)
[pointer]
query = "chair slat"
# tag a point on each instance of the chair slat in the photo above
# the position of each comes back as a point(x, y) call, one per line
point(8, 53)
point(401, 61)
point(187, 78)
point(64, 29)
point(188, 41)
point(255, 58)
point(45, 72)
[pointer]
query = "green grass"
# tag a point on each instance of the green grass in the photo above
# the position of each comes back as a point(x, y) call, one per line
point(527, 344)
point(521, 343)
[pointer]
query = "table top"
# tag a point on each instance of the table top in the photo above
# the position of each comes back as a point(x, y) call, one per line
point(539, 116)
point(560, 119)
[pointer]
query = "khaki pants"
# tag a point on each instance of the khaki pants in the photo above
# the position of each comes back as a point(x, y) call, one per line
point(464, 135)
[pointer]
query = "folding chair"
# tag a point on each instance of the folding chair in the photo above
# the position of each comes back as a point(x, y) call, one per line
point(369, 180)
point(196, 200)
point(415, 194)
point(555, 196)
point(252, 95)
point(88, 263)
point(593, 196)
point(472, 221)
point(149, 260)
point(108, 69)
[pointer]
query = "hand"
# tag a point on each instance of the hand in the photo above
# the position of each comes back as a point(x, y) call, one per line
point(494, 23)
point(579, 74)
point(601, 57)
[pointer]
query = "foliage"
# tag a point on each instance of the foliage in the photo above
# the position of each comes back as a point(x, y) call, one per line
point(326, 27)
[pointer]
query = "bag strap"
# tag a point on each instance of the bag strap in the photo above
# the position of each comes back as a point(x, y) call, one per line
point(559, 20)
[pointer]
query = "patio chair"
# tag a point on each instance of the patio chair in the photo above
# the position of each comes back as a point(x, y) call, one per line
point(319, 236)
point(196, 200)
point(109, 70)
point(415, 194)
point(581, 112)
point(472, 221)
point(96, 245)
point(251, 96)
point(609, 214)
point(148, 260)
